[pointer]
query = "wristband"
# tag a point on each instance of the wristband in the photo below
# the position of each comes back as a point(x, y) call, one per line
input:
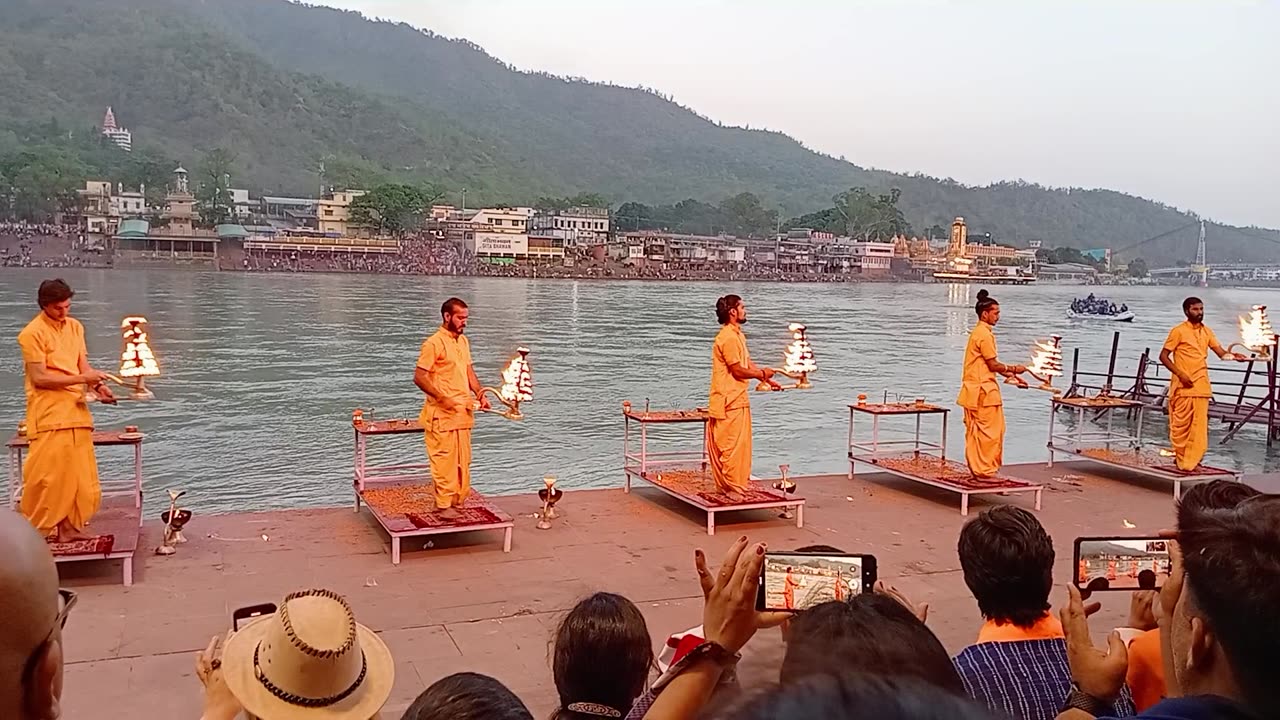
point(1078, 699)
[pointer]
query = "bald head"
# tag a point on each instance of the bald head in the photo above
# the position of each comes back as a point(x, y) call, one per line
point(29, 606)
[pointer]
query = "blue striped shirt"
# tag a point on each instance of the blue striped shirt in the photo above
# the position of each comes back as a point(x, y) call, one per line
point(1023, 679)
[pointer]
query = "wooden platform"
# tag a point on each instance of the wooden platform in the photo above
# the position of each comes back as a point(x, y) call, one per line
point(1146, 462)
point(948, 475)
point(695, 486)
point(407, 509)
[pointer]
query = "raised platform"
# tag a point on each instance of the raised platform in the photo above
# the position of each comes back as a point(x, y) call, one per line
point(694, 486)
point(407, 509)
point(114, 529)
point(1147, 462)
point(948, 475)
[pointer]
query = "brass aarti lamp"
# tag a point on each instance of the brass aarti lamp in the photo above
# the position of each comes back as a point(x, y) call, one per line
point(798, 361)
point(137, 361)
point(1256, 335)
point(517, 386)
point(1046, 364)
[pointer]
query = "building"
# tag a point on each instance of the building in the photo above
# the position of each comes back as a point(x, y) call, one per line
point(499, 236)
point(102, 210)
point(118, 135)
point(314, 241)
point(503, 220)
point(298, 211)
point(1067, 271)
point(242, 206)
point(177, 239)
point(583, 226)
point(872, 257)
point(333, 212)
point(691, 252)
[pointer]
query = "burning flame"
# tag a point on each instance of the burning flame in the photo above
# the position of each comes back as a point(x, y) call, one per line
point(517, 380)
point(136, 359)
point(1256, 332)
point(1046, 357)
point(799, 354)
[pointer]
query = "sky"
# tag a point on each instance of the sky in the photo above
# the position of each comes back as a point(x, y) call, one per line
point(1173, 100)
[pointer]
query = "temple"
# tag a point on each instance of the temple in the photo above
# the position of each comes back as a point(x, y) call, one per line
point(116, 134)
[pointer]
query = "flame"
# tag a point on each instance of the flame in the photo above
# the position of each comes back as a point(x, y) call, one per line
point(517, 380)
point(1046, 357)
point(799, 354)
point(1256, 332)
point(136, 359)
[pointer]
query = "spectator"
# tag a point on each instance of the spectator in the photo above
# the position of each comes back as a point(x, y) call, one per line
point(854, 696)
point(1218, 608)
point(1018, 666)
point(467, 696)
point(34, 611)
point(602, 658)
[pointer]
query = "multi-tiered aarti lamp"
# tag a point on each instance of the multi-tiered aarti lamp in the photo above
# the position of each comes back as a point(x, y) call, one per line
point(1256, 334)
point(137, 362)
point(798, 361)
point(1046, 364)
point(517, 386)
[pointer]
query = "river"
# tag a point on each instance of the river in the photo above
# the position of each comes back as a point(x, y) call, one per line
point(261, 371)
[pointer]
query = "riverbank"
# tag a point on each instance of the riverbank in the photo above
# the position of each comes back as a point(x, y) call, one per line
point(465, 605)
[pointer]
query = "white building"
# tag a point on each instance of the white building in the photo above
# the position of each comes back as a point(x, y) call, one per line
point(585, 226)
point(872, 256)
point(503, 220)
point(118, 135)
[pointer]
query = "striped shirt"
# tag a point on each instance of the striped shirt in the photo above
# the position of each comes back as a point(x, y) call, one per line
point(1024, 679)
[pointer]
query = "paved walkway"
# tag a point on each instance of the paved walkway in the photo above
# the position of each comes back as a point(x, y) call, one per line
point(463, 604)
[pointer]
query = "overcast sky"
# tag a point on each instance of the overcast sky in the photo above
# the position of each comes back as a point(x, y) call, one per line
point(1175, 100)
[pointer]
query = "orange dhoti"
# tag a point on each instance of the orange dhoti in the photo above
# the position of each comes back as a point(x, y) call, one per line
point(449, 452)
point(1188, 429)
point(984, 439)
point(729, 449)
point(60, 479)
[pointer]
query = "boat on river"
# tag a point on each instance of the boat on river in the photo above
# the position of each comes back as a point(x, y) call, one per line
point(1096, 308)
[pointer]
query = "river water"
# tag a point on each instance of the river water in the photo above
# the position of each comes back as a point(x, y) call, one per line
point(262, 371)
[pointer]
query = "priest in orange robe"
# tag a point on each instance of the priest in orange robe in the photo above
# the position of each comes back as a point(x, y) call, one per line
point(729, 426)
point(1185, 353)
point(980, 393)
point(60, 490)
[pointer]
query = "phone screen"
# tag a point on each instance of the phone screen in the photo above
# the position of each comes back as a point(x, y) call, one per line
point(795, 581)
point(241, 616)
point(1119, 563)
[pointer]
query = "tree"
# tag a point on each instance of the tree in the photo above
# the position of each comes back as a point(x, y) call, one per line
point(1138, 268)
point(746, 216)
point(394, 207)
point(871, 217)
point(213, 193)
point(41, 181)
point(349, 173)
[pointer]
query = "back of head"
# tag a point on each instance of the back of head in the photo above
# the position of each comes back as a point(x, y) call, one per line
point(1217, 494)
point(871, 634)
point(1007, 559)
point(724, 306)
point(854, 697)
point(1232, 561)
point(467, 696)
point(28, 604)
point(602, 655)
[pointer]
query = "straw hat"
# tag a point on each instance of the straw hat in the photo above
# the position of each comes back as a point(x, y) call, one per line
point(310, 659)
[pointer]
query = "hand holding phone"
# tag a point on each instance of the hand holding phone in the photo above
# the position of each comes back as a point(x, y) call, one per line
point(791, 582)
point(1121, 563)
point(244, 614)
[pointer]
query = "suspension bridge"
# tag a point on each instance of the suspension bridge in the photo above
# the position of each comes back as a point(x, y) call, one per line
point(1200, 269)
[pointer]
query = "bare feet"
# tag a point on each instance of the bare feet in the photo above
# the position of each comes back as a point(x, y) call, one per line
point(67, 533)
point(735, 496)
point(448, 513)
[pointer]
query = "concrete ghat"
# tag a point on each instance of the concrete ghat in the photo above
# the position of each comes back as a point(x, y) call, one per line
point(465, 605)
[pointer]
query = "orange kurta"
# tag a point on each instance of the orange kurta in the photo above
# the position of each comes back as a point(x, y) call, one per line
point(1146, 670)
point(1046, 628)
point(983, 405)
point(60, 475)
point(1189, 405)
point(447, 432)
point(729, 427)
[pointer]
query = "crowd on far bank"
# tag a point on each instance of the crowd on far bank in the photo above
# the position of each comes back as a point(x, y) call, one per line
point(1205, 646)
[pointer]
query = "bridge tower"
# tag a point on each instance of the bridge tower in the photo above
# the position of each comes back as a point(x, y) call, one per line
point(1200, 267)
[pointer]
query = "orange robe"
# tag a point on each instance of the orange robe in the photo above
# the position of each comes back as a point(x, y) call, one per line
point(729, 427)
point(447, 433)
point(60, 475)
point(789, 591)
point(1189, 405)
point(983, 405)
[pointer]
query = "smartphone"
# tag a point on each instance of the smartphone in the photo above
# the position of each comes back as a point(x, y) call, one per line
point(794, 581)
point(244, 614)
point(1121, 563)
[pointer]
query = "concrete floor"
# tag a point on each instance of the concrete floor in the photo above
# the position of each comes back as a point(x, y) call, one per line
point(465, 605)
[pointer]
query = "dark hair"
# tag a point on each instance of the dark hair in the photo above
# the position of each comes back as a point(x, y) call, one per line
point(602, 655)
point(1147, 580)
point(868, 633)
point(985, 302)
point(53, 291)
point(467, 696)
point(1007, 559)
point(824, 549)
point(1217, 494)
point(725, 305)
point(853, 696)
point(1098, 583)
point(1232, 560)
point(1193, 300)
point(451, 306)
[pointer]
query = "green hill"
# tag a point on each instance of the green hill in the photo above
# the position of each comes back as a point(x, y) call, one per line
point(288, 86)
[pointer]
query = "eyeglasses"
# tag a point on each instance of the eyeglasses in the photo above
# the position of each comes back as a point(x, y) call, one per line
point(66, 601)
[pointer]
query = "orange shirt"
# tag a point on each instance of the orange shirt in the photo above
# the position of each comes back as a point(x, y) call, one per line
point(1046, 628)
point(1190, 345)
point(59, 345)
point(447, 357)
point(978, 386)
point(728, 392)
point(1146, 670)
